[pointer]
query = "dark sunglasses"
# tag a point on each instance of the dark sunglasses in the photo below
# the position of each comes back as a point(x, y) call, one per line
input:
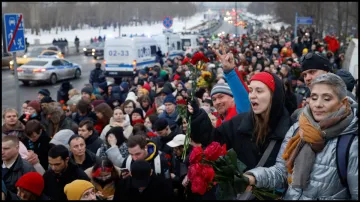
point(310, 55)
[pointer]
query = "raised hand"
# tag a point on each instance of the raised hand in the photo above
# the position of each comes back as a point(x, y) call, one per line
point(226, 59)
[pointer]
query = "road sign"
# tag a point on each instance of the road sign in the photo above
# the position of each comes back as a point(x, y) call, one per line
point(167, 22)
point(304, 20)
point(14, 32)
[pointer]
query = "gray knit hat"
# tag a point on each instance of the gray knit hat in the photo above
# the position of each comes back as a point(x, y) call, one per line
point(221, 88)
point(62, 137)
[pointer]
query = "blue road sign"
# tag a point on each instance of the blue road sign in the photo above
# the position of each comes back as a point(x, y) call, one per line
point(304, 20)
point(167, 22)
point(14, 32)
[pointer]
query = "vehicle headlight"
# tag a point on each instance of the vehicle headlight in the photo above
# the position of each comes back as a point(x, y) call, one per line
point(84, 49)
point(93, 50)
point(11, 62)
point(25, 56)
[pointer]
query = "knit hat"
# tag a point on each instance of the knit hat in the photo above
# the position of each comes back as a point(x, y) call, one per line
point(265, 78)
point(97, 102)
point(147, 86)
point(76, 188)
point(221, 88)
point(46, 99)
point(160, 124)
point(170, 98)
point(144, 91)
point(125, 86)
point(138, 111)
point(315, 62)
point(62, 137)
point(103, 86)
point(32, 182)
point(142, 72)
point(35, 104)
point(348, 79)
point(163, 73)
point(140, 173)
point(86, 90)
point(44, 92)
point(131, 96)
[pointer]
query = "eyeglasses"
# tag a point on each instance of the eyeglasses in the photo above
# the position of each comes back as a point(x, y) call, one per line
point(310, 55)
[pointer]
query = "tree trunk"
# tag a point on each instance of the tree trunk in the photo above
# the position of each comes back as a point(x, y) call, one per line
point(346, 22)
point(339, 20)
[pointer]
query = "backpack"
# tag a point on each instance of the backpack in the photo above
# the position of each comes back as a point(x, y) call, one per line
point(157, 163)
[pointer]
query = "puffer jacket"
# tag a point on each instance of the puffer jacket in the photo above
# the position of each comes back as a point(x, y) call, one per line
point(324, 182)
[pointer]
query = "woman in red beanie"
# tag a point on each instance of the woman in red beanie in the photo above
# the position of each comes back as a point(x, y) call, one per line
point(30, 187)
point(32, 111)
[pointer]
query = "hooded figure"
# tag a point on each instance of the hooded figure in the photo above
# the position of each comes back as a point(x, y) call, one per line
point(57, 119)
point(238, 132)
point(63, 92)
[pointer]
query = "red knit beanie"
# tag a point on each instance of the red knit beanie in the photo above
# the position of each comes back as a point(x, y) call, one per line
point(32, 182)
point(35, 104)
point(265, 78)
point(147, 86)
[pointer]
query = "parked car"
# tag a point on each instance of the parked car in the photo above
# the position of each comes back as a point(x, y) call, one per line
point(48, 69)
point(88, 50)
point(5, 59)
point(98, 52)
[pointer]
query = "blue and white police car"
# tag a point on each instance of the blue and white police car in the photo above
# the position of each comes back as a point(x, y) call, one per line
point(48, 69)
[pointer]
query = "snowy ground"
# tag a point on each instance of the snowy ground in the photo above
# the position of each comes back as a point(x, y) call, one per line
point(268, 18)
point(86, 34)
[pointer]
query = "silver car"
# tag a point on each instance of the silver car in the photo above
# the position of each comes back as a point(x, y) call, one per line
point(48, 69)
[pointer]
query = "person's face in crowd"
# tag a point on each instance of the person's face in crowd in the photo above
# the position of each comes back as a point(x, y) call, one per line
point(148, 123)
point(99, 115)
point(85, 96)
point(84, 132)
point(184, 94)
point(34, 136)
point(260, 97)
point(266, 62)
point(259, 56)
point(152, 85)
point(206, 106)
point(179, 87)
point(139, 92)
point(58, 165)
point(258, 67)
point(78, 147)
point(24, 108)
point(31, 110)
point(111, 137)
point(206, 96)
point(179, 97)
point(311, 74)
point(251, 69)
point(145, 103)
point(169, 108)
point(109, 90)
point(178, 151)
point(213, 120)
point(68, 111)
point(40, 96)
point(313, 47)
point(253, 60)
point(179, 69)
point(129, 108)
point(164, 132)
point(159, 110)
point(284, 71)
point(222, 102)
point(267, 69)
point(89, 194)
point(276, 63)
point(11, 118)
point(324, 101)
point(137, 153)
point(24, 194)
point(135, 116)
point(9, 150)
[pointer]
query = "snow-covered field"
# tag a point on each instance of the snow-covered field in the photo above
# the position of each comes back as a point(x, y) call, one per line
point(85, 34)
point(268, 18)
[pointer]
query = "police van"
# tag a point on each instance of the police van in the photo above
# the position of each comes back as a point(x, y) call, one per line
point(124, 56)
point(190, 42)
point(169, 43)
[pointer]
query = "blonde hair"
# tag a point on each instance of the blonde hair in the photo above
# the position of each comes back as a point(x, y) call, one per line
point(7, 110)
point(73, 92)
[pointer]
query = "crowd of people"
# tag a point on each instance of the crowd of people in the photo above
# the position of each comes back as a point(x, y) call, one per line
point(111, 141)
point(97, 39)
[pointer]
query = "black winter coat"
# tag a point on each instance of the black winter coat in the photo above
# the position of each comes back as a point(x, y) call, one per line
point(54, 185)
point(63, 92)
point(156, 190)
point(90, 159)
point(40, 147)
point(237, 133)
point(291, 102)
point(22, 117)
point(97, 76)
point(12, 175)
point(93, 142)
point(91, 115)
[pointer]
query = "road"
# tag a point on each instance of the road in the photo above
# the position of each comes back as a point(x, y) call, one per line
point(31, 92)
point(230, 28)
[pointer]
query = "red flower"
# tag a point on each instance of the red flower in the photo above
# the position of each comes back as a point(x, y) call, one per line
point(196, 155)
point(151, 134)
point(224, 149)
point(199, 186)
point(181, 102)
point(167, 156)
point(199, 57)
point(62, 102)
point(214, 151)
point(194, 170)
point(208, 173)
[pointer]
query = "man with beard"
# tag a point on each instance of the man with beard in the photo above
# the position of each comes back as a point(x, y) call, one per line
point(63, 171)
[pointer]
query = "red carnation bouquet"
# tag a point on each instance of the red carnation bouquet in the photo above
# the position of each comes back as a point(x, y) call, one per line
point(217, 166)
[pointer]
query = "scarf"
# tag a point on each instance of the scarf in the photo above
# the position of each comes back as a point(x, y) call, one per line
point(18, 127)
point(300, 152)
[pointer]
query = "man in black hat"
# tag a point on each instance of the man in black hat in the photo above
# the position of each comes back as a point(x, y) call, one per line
point(142, 185)
point(43, 93)
point(165, 135)
point(97, 75)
